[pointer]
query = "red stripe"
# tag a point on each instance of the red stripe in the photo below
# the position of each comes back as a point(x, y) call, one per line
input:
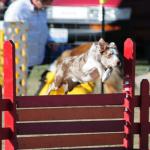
point(70, 100)
point(69, 140)
point(70, 127)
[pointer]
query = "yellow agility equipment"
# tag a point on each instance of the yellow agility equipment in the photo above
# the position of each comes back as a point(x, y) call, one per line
point(85, 88)
point(102, 1)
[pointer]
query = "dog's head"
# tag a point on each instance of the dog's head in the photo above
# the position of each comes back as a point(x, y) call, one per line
point(109, 57)
point(109, 54)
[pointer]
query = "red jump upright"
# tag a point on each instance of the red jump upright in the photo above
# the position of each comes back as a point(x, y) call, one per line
point(10, 92)
point(129, 81)
point(144, 115)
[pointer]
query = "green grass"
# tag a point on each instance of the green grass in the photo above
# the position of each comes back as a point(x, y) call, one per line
point(142, 67)
point(33, 82)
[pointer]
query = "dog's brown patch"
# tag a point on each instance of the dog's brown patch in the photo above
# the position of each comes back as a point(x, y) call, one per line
point(94, 73)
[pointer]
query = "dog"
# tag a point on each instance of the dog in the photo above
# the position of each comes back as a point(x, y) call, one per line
point(78, 50)
point(97, 63)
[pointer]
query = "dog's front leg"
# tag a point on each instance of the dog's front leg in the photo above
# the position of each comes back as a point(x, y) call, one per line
point(98, 83)
point(65, 87)
point(106, 74)
point(98, 86)
point(100, 69)
point(51, 87)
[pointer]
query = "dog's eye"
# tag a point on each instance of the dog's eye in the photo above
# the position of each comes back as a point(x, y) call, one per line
point(102, 52)
point(109, 54)
point(114, 51)
point(107, 47)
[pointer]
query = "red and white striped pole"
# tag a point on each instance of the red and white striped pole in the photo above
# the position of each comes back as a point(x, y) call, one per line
point(129, 80)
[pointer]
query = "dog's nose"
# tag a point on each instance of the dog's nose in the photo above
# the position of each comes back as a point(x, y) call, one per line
point(118, 63)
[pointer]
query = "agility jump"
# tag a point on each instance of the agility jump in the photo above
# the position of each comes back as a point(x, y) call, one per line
point(88, 122)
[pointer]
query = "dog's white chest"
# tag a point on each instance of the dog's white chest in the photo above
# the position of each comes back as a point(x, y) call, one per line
point(91, 63)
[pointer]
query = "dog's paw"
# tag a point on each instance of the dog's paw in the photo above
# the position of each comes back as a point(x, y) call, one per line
point(106, 74)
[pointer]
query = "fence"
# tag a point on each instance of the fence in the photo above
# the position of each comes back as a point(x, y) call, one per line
point(90, 122)
point(17, 32)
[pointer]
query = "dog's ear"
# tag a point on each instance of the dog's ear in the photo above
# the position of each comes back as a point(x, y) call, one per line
point(103, 45)
point(101, 40)
point(113, 45)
